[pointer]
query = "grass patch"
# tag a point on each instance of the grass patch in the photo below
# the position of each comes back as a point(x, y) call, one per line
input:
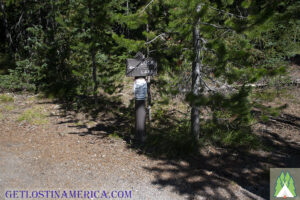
point(1, 116)
point(6, 98)
point(43, 95)
point(114, 135)
point(267, 95)
point(224, 136)
point(8, 108)
point(169, 136)
point(34, 115)
point(32, 98)
point(271, 94)
point(171, 143)
point(79, 123)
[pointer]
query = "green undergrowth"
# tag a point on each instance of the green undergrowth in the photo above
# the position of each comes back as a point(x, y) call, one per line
point(6, 98)
point(14, 82)
point(270, 94)
point(114, 135)
point(174, 142)
point(8, 107)
point(171, 136)
point(222, 135)
point(35, 115)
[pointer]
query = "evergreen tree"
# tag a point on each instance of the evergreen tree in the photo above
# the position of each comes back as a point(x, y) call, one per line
point(91, 27)
point(214, 39)
point(282, 178)
point(291, 187)
point(287, 178)
point(210, 51)
point(278, 187)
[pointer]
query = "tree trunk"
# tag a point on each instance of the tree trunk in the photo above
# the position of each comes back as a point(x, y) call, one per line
point(93, 52)
point(5, 23)
point(94, 75)
point(148, 81)
point(127, 5)
point(196, 80)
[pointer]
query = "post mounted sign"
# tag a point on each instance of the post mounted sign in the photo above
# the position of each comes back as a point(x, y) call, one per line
point(141, 67)
point(140, 89)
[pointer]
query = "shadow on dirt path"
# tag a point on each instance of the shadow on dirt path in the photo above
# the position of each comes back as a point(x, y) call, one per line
point(214, 173)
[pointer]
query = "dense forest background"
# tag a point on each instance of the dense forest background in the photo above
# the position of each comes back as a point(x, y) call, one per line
point(212, 55)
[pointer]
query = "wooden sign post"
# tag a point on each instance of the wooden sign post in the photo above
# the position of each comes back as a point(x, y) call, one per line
point(140, 68)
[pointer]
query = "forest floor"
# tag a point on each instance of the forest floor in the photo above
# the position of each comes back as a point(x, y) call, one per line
point(46, 146)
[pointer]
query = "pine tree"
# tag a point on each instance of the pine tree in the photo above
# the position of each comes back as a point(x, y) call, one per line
point(214, 40)
point(278, 187)
point(282, 178)
point(90, 25)
point(287, 178)
point(210, 51)
point(291, 187)
point(222, 49)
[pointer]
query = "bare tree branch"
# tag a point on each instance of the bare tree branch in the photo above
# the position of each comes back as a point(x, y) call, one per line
point(20, 19)
point(147, 6)
point(159, 36)
point(206, 85)
point(203, 40)
point(216, 26)
point(228, 13)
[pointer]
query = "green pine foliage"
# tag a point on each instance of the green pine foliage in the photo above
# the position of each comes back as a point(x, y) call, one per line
point(282, 178)
point(58, 41)
point(291, 187)
point(70, 48)
point(278, 187)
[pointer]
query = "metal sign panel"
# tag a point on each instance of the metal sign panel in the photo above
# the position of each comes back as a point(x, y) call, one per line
point(141, 67)
point(140, 89)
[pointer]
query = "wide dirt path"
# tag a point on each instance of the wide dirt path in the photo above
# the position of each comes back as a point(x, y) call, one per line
point(47, 151)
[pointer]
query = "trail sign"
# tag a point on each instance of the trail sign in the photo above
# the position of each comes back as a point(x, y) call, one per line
point(140, 89)
point(141, 67)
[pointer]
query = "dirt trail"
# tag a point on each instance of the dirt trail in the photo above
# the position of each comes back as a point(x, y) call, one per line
point(52, 154)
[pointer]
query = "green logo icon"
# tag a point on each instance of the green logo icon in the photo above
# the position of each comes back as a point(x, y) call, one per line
point(285, 186)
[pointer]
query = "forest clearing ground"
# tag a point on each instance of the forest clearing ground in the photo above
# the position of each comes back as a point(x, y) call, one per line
point(43, 147)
